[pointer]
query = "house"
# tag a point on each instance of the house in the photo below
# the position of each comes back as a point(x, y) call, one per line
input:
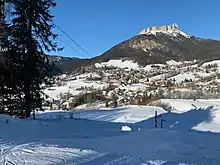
point(55, 105)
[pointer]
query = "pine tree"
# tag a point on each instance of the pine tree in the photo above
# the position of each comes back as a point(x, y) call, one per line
point(7, 93)
point(30, 36)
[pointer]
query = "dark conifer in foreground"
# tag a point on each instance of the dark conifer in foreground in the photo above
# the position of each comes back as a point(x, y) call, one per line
point(30, 35)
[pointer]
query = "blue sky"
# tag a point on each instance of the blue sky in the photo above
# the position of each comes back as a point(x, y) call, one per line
point(100, 24)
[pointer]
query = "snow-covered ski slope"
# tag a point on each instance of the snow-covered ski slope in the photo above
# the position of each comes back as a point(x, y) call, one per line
point(190, 135)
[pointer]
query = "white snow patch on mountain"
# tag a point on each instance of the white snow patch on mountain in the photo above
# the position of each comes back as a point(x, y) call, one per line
point(183, 34)
point(173, 62)
point(173, 33)
point(119, 64)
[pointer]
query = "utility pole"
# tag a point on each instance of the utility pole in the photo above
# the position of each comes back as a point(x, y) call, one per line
point(155, 125)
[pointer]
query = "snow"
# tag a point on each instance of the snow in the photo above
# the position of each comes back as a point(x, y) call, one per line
point(151, 66)
point(126, 129)
point(182, 76)
point(190, 135)
point(132, 114)
point(195, 76)
point(157, 77)
point(212, 122)
point(212, 63)
point(41, 155)
point(183, 34)
point(119, 64)
point(173, 33)
point(54, 92)
point(160, 65)
point(204, 74)
point(148, 68)
point(173, 62)
point(73, 85)
point(134, 87)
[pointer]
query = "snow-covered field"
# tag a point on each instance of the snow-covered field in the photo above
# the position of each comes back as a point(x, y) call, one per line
point(190, 135)
point(71, 86)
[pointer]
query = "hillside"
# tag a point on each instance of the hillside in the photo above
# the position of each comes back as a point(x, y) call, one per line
point(150, 46)
point(159, 45)
point(66, 64)
point(130, 83)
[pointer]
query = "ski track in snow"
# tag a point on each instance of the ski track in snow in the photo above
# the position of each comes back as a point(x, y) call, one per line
point(33, 153)
point(36, 154)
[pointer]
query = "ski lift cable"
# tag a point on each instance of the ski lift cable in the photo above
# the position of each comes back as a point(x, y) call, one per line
point(71, 47)
point(75, 42)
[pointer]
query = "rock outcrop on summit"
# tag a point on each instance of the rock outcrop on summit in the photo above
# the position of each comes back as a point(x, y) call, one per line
point(172, 30)
point(168, 28)
point(158, 44)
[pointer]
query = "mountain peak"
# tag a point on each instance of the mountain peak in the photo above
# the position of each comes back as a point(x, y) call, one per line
point(169, 29)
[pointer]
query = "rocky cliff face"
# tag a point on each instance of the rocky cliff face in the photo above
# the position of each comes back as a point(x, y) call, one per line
point(145, 44)
point(172, 30)
point(167, 28)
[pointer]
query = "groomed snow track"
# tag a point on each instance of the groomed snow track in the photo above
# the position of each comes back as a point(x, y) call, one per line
point(37, 154)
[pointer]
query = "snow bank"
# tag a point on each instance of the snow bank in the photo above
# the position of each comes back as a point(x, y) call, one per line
point(183, 105)
point(126, 129)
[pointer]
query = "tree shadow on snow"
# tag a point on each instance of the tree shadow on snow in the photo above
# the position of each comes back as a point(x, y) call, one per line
point(101, 115)
point(92, 114)
point(84, 124)
point(184, 121)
